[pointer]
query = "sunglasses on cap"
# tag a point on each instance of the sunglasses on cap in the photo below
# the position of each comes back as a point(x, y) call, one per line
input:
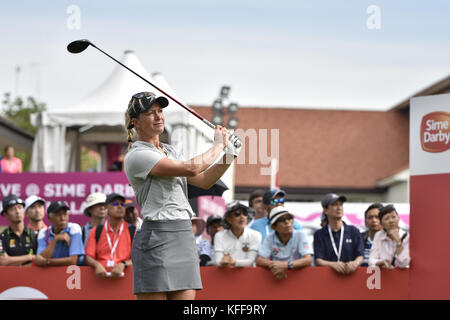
point(238, 212)
point(115, 204)
point(15, 201)
point(143, 101)
point(275, 202)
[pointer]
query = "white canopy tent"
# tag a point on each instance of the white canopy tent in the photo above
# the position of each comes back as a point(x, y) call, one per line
point(100, 119)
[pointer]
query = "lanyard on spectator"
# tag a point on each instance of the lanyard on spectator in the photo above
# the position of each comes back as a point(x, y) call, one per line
point(113, 248)
point(341, 240)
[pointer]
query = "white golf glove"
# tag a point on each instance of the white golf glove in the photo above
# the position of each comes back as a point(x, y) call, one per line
point(234, 145)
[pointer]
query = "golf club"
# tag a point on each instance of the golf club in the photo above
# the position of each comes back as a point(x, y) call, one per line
point(78, 46)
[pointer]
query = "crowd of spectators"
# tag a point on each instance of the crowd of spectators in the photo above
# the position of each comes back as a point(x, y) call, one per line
point(280, 242)
point(104, 243)
point(273, 239)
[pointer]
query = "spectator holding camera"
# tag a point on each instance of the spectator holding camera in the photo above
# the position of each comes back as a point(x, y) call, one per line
point(60, 244)
point(285, 248)
point(237, 245)
point(390, 247)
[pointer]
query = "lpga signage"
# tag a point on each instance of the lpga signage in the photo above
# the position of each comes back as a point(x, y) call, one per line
point(70, 187)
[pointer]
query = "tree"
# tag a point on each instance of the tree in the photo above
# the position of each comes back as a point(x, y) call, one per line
point(19, 111)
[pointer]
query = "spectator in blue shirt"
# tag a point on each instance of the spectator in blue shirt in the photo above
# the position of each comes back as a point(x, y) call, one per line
point(271, 199)
point(338, 245)
point(373, 225)
point(255, 202)
point(285, 248)
point(61, 243)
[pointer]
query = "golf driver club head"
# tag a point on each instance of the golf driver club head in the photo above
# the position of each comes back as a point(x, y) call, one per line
point(78, 46)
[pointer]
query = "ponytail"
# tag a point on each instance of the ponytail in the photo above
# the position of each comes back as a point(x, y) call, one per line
point(130, 130)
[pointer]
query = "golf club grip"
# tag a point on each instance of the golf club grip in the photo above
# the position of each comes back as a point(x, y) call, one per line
point(163, 92)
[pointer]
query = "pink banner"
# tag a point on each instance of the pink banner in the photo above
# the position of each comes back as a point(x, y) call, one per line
point(71, 187)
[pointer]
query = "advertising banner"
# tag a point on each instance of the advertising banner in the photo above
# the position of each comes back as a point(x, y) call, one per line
point(429, 194)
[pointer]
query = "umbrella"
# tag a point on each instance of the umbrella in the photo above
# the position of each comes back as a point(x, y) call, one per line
point(216, 190)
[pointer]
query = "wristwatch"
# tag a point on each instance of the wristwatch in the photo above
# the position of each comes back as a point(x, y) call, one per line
point(290, 265)
point(47, 262)
point(125, 264)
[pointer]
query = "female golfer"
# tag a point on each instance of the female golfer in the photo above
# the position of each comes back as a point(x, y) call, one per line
point(164, 254)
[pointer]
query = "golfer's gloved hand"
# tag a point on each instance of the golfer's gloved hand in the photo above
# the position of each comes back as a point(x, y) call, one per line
point(234, 145)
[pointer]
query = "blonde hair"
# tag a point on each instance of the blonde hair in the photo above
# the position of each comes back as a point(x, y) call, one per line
point(131, 131)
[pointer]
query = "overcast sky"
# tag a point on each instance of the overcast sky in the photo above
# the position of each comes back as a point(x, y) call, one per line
point(273, 53)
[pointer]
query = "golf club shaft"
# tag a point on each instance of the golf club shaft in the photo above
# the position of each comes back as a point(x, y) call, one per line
point(209, 124)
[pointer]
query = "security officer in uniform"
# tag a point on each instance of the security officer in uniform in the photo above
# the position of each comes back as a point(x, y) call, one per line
point(18, 244)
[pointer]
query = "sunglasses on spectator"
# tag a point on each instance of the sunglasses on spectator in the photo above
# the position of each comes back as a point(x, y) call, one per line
point(115, 204)
point(285, 218)
point(238, 213)
point(275, 202)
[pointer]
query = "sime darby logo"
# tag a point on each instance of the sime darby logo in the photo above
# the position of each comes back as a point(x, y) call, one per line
point(435, 132)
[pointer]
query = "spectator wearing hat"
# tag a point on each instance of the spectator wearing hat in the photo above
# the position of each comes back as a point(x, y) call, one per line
point(35, 211)
point(60, 244)
point(285, 248)
point(132, 214)
point(255, 202)
point(18, 243)
point(96, 211)
point(237, 245)
point(337, 245)
point(108, 248)
point(373, 225)
point(390, 248)
point(271, 199)
point(205, 246)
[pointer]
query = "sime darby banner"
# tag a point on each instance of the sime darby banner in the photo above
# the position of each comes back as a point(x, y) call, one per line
point(429, 196)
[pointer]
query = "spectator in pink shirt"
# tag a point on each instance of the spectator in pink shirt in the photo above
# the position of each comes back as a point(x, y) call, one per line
point(9, 163)
point(390, 246)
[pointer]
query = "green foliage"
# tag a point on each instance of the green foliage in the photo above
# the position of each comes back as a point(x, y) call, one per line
point(89, 160)
point(19, 111)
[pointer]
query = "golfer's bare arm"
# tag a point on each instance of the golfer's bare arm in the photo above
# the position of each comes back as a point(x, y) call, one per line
point(177, 168)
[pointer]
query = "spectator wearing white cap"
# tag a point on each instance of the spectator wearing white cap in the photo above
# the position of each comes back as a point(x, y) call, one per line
point(237, 245)
point(285, 248)
point(96, 211)
point(35, 212)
